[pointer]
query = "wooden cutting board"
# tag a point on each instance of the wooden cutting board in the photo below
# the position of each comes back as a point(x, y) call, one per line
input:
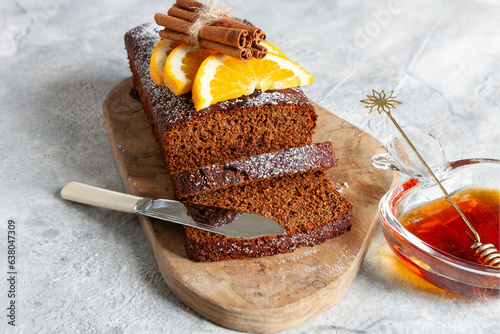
point(266, 294)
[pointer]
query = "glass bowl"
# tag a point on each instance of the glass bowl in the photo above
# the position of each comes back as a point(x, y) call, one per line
point(444, 270)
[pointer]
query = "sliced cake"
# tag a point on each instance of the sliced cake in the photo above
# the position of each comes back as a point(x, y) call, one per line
point(306, 205)
point(317, 156)
point(287, 186)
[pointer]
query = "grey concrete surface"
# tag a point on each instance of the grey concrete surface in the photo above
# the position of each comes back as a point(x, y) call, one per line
point(87, 270)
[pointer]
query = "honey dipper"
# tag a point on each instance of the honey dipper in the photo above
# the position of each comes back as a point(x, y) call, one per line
point(486, 254)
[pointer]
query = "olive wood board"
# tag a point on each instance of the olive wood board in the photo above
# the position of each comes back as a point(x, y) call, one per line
point(266, 294)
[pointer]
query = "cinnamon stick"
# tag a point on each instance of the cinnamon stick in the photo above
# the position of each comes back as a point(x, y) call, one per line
point(259, 50)
point(261, 37)
point(243, 53)
point(176, 36)
point(190, 5)
point(228, 36)
point(226, 21)
point(171, 22)
point(181, 13)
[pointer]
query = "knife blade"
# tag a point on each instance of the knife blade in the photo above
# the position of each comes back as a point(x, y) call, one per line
point(245, 225)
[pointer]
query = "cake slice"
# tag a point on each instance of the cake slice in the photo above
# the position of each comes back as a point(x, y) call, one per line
point(259, 123)
point(306, 205)
point(318, 156)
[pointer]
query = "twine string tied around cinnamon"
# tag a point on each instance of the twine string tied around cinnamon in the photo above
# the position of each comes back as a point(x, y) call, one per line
point(206, 15)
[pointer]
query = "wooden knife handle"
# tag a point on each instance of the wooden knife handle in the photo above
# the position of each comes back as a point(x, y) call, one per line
point(104, 198)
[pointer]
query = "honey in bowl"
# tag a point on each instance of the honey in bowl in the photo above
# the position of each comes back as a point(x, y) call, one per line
point(438, 224)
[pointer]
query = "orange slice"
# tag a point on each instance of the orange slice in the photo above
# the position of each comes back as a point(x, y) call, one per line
point(221, 77)
point(181, 66)
point(158, 58)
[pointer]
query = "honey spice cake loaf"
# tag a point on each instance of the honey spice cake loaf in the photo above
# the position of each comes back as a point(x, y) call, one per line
point(252, 154)
point(259, 123)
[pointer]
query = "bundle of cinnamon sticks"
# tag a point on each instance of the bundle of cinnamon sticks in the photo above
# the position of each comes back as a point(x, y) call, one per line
point(225, 35)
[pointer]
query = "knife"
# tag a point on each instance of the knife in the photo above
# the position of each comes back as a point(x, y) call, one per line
point(245, 225)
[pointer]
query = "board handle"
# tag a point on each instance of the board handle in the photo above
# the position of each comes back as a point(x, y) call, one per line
point(104, 198)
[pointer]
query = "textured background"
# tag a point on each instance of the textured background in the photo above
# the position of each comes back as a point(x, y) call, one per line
point(88, 270)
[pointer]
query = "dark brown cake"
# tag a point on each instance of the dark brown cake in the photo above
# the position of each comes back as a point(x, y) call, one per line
point(248, 126)
point(306, 205)
point(267, 165)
